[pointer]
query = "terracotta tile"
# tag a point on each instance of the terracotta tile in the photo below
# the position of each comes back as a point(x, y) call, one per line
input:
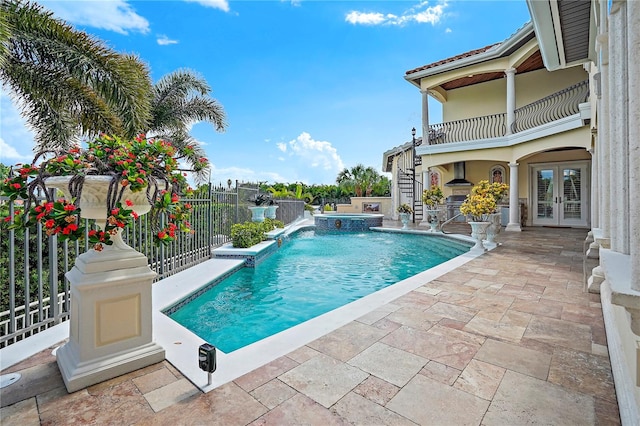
point(35, 380)
point(273, 393)
point(348, 341)
point(582, 314)
point(438, 404)
point(562, 333)
point(480, 379)
point(446, 322)
point(440, 372)
point(262, 375)
point(168, 395)
point(497, 329)
point(302, 354)
point(386, 325)
point(300, 410)
point(378, 314)
point(376, 390)
point(516, 358)
point(583, 372)
point(360, 411)
point(547, 308)
point(607, 413)
point(24, 413)
point(154, 380)
point(388, 363)
point(415, 299)
point(414, 318)
point(454, 312)
point(445, 345)
point(324, 379)
point(520, 398)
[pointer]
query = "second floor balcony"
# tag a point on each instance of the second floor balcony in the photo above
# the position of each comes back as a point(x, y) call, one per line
point(562, 104)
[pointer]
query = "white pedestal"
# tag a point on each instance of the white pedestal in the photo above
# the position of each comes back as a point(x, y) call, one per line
point(110, 319)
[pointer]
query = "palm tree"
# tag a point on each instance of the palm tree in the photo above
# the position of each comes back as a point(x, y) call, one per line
point(181, 99)
point(67, 83)
point(360, 179)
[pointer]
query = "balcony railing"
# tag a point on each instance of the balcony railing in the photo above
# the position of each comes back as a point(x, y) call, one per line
point(546, 110)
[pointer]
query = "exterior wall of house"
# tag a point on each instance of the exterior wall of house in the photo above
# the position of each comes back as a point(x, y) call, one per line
point(537, 84)
point(615, 239)
point(490, 97)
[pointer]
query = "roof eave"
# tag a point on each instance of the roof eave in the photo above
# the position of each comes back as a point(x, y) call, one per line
point(493, 53)
point(545, 17)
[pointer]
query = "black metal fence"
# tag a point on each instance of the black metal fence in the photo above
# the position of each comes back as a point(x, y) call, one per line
point(33, 265)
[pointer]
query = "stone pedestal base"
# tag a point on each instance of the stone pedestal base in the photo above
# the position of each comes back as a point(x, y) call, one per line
point(110, 319)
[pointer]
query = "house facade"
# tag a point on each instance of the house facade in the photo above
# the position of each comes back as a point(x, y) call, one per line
point(506, 118)
point(554, 111)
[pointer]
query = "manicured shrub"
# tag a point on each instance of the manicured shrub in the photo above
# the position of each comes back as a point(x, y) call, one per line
point(271, 224)
point(247, 234)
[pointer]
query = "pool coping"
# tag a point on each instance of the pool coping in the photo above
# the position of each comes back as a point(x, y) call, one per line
point(181, 345)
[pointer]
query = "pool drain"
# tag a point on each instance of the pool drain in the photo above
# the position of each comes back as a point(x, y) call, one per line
point(9, 379)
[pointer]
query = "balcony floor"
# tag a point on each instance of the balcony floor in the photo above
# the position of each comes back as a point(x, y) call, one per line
point(508, 338)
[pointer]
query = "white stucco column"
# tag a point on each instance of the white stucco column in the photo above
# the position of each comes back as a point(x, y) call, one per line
point(511, 98)
point(633, 67)
point(395, 188)
point(603, 148)
point(514, 205)
point(425, 117)
point(595, 217)
point(425, 185)
point(619, 148)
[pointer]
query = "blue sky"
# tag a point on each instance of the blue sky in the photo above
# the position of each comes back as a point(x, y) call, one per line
point(309, 87)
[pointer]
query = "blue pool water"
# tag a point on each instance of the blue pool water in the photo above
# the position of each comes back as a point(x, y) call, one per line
point(311, 274)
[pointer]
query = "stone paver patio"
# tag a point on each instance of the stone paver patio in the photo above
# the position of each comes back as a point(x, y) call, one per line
point(509, 338)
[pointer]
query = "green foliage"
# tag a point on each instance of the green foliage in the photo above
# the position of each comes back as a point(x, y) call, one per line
point(179, 100)
point(328, 208)
point(244, 235)
point(271, 224)
point(67, 83)
point(361, 181)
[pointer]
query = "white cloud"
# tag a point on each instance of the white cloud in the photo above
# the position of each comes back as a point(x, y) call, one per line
point(163, 40)
point(220, 175)
point(216, 4)
point(282, 146)
point(113, 15)
point(448, 30)
point(315, 154)
point(16, 142)
point(421, 13)
point(363, 18)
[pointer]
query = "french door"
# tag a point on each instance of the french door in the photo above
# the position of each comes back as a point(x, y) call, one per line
point(560, 194)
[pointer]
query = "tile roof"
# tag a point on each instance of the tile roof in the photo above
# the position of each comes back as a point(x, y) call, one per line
point(453, 58)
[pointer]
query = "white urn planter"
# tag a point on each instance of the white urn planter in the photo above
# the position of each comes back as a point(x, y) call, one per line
point(270, 212)
point(404, 218)
point(111, 313)
point(494, 227)
point(432, 218)
point(479, 232)
point(257, 213)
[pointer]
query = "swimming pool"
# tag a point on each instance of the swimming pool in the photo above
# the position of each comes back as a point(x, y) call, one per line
point(312, 273)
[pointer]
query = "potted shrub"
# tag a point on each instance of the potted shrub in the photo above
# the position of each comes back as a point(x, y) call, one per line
point(496, 191)
point(431, 198)
point(260, 202)
point(405, 211)
point(478, 206)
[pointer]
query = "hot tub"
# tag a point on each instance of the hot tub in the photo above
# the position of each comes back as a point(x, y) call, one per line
point(347, 221)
